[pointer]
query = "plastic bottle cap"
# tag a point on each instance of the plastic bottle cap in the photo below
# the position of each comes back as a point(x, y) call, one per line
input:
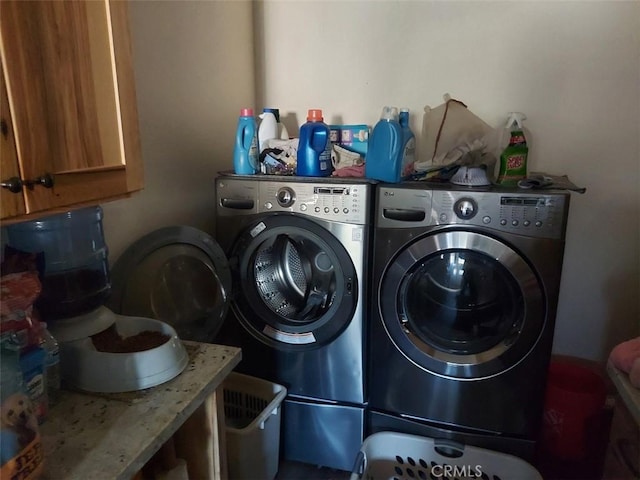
point(246, 112)
point(515, 118)
point(389, 113)
point(275, 111)
point(314, 115)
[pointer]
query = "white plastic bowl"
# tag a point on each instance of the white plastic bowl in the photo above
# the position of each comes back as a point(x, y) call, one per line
point(85, 368)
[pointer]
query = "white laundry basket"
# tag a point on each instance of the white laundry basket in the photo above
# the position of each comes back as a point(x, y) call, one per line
point(252, 414)
point(391, 455)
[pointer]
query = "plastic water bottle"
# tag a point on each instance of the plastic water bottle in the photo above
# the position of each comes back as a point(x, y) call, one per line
point(75, 279)
point(245, 152)
point(51, 363)
point(408, 145)
point(314, 147)
point(384, 155)
point(268, 128)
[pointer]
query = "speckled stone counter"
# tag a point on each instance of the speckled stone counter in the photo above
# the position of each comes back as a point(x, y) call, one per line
point(112, 436)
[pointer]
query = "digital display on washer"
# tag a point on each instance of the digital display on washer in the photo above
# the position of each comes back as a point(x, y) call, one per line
point(331, 191)
point(524, 201)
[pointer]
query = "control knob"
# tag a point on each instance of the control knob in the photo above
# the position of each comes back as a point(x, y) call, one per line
point(465, 208)
point(286, 197)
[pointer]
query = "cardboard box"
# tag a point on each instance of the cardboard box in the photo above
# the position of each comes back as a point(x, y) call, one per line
point(351, 137)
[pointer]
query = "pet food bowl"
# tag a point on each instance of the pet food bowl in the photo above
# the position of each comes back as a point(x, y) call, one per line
point(84, 367)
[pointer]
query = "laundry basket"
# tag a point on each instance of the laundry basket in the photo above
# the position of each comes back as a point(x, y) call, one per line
point(391, 455)
point(252, 416)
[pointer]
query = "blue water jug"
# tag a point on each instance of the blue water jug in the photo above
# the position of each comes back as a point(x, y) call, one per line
point(245, 152)
point(384, 155)
point(314, 147)
point(75, 279)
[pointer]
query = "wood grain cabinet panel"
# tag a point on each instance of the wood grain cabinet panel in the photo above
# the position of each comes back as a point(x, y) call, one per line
point(70, 105)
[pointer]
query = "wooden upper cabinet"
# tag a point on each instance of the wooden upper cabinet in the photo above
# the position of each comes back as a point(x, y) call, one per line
point(68, 105)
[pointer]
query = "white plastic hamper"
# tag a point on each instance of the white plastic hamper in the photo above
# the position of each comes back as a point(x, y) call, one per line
point(398, 456)
point(252, 416)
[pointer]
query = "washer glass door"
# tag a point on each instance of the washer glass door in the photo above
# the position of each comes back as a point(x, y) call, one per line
point(462, 304)
point(296, 284)
point(176, 274)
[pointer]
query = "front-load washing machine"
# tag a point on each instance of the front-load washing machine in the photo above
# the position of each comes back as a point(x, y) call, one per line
point(465, 288)
point(297, 249)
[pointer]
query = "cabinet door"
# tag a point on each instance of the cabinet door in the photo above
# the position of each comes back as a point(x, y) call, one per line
point(69, 77)
point(11, 203)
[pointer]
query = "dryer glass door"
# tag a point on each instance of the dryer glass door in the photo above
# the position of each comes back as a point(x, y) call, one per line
point(296, 284)
point(462, 304)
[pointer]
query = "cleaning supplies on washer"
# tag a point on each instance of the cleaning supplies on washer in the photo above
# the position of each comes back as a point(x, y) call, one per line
point(384, 155)
point(268, 127)
point(513, 159)
point(314, 147)
point(408, 145)
point(283, 133)
point(245, 152)
point(271, 135)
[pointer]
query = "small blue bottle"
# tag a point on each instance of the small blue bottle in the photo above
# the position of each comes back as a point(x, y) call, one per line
point(408, 146)
point(314, 147)
point(384, 154)
point(245, 152)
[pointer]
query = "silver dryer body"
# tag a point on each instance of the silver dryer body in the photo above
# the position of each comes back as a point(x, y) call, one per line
point(465, 290)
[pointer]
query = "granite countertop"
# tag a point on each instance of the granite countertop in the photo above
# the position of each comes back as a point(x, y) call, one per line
point(630, 395)
point(112, 436)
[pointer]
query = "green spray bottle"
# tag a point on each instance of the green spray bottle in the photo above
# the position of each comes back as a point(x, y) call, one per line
point(513, 159)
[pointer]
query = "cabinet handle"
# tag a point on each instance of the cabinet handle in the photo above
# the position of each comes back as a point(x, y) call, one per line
point(13, 184)
point(45, 180)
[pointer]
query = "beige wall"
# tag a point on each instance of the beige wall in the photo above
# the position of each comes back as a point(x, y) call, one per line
point(572, 67)
point(194, 71)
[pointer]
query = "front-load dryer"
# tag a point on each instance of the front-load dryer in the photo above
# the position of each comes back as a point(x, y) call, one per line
point(298, 251)
point(465, 288)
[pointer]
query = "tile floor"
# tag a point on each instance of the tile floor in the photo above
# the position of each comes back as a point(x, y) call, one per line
point(303, 471)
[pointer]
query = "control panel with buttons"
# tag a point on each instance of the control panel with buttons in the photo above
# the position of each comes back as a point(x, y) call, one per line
point(334, 202)
point(344, 202)
point(536, 214)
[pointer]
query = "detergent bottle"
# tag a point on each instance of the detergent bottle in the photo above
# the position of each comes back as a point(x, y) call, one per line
point(268, 128)
point(513, 159)
point(384, 155)
point(282, 132)
point(314, 147)
point(408, 145)
point(245, 152)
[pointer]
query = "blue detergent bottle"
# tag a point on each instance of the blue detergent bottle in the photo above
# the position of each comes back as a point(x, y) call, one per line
point(384, 155)
point(245, 152)
point(314, 147)
point(408, 146)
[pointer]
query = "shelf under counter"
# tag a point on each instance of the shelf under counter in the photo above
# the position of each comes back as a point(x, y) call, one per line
point(112, 436)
